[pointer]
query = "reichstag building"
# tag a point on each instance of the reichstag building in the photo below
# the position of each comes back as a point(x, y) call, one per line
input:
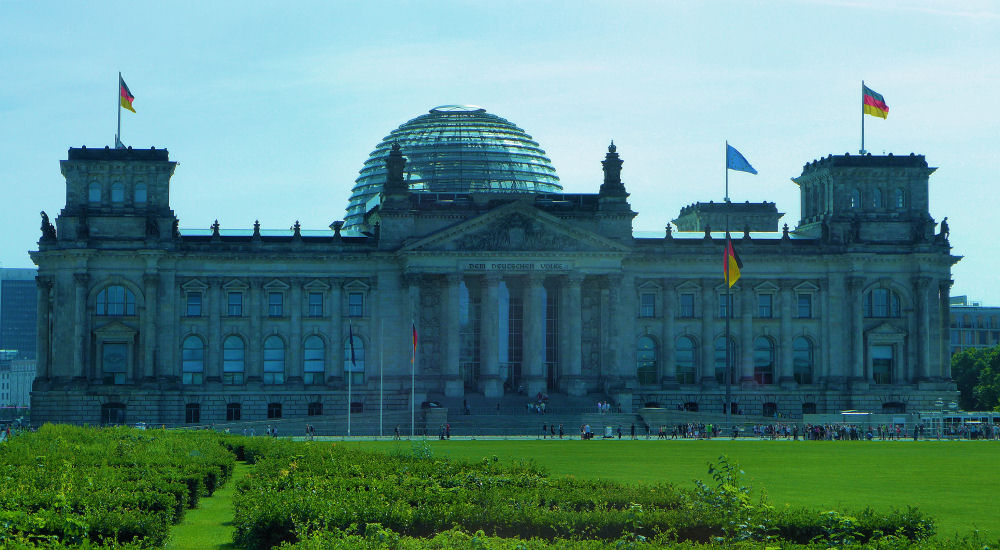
point(457, 228)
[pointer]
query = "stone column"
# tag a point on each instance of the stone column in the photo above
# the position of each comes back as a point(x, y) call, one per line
point(785, 364)
point(857, 329)
point(295, 335)
point(42, 327)
point(412, 281)
point(254, 350)
point(168, 362)
point(571, 333)
point(335, 369)
point(944, 328)
point(214, 304)
point(489, 337)
point(81, 334)
point(708, 333)
point(831, 356)
point(667, 337)
point(453, 384)
point(533, 337)
point(922, 300)
point(151, 286)
point(745, 307)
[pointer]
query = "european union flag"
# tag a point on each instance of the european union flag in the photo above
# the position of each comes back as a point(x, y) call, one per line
point(736, 161)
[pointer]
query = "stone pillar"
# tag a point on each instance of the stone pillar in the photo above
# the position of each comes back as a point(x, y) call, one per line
point(151, 287)
point(254, 350)
point(944, 328)
point(571, 332)
point(412, 281)
point(214, 304)
point(42, 368)
point(453, 384)
point(335, 369)
point(708, 333)
point(857, 328)
point(668, 357)
point(533, 337)
point(295, 335)
point(786, 376)
point(168, 362)
point(831, 357)
point(81, 334)
point(744, 305)
point(489, 337)
point(922, 301)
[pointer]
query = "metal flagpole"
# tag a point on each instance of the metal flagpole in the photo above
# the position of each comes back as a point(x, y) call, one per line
point(413, 378)
point(729, 302)
point(350, 377)
point(862, 117)
point(118, 135)
point(381, 346)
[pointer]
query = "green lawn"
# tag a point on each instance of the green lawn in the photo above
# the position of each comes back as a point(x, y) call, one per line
point(210, 525)
point(955, 482)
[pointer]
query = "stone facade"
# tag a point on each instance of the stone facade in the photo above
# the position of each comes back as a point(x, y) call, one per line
point(541, 293)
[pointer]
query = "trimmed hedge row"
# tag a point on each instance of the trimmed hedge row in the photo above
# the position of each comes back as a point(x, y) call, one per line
point(303, 490)
point(112, 486)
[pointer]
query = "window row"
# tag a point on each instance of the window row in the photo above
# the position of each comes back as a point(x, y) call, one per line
point(274, 360)
point(686, 360)
point(95, 194)
point(687, 305)
point(114, 413)
point(312, 304)
point(875, 199)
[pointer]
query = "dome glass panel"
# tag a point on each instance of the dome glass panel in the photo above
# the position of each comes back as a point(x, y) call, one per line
point(457, 149)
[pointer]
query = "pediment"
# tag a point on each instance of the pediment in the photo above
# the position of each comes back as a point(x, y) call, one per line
point(115, 329)
point(806, 287)
point(885, 329)
point(276, 285)
point(235, 284)
point(315, 285)
point(688, 286)
point(766, 287)
point(194, 285)
point(515, 227)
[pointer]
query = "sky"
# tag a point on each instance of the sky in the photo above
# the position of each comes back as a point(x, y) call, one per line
point(271, 108)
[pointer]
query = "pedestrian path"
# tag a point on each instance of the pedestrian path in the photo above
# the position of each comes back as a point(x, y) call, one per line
point(210, 525)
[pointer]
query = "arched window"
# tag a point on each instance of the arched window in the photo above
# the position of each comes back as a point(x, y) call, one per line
point(855, 198)
point(881, 302)
point(720, 361)
point(877, 198)
point(315, 360)
point(94, 193)
point(116, 301)
point(355, 369)
point(140, 193)
point(645, 359)
point(899, 198)
point(192, 360)
point(117, 193)
point(763, 360)
point(233, 360)
point(802, 360)
point(686, 360)
point(274, 360)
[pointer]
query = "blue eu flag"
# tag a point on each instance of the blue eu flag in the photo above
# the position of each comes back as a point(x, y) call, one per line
point(736, 161)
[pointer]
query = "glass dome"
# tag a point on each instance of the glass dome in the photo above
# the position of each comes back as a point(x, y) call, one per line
point(457, 149)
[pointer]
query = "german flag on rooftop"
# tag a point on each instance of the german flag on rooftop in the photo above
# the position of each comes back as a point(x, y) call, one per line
point(872, 103)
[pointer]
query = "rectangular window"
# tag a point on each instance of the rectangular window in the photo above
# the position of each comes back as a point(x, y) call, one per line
point(356, 304)
point(764, 310)
point(882, 364)
point(274, 304)
point(805, 306)
point(315, 304)
point(192, 413)
point(235, 308)
point(274, 410)
point(233, 412)
point(194, 304)
point(647, 304)
point(114, 359)
point(315, 409)
point(722, 305)
point(687, 306)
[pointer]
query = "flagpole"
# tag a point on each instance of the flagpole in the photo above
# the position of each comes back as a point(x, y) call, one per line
point(350, 378)
point(118, 135)
point(862, 117)
point(380, 376)
point(729, 302)
point(413, 378)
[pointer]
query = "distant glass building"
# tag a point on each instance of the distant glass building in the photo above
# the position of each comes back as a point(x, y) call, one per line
point(457, 149)
point(18, 303)
point(973, 325)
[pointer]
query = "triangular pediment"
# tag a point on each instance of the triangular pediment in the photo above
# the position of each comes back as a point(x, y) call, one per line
point(515, 227)
point(115, 329)
point(885, 329)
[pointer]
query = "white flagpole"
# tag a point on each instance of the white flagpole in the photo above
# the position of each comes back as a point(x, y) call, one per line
point(413, 357)
point(118, 135)
point(380, 376)
point(350, 377)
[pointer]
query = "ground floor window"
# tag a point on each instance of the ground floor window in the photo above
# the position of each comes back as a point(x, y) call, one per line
point(882, 364)
point(274, 410)
point(770, 409)
point(809, 408)
point(192, 413)
point(233, 412)
point(113, 413)
point(645, 356)
point(315, 409)
point(114, 358)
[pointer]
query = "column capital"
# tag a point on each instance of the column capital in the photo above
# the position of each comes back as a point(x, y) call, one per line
point(492, 277)
point(854, 282)
point(412, 278)
point(921, 282)
point(614, 279)
point(44, 282)
point(575, 279)
point(151, 278)
point(535, 278)
point(81, 278)
point(453, 278)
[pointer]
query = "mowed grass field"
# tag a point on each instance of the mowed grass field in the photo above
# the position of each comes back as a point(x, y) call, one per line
point(955, 482)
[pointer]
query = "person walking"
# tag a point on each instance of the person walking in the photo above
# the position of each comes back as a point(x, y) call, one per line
point(560, 431)
point(633, 430)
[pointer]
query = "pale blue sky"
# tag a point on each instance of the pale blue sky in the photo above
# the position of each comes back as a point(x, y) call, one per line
point(271, 108)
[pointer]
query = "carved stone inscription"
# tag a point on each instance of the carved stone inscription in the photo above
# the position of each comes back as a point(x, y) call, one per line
point(518, 232)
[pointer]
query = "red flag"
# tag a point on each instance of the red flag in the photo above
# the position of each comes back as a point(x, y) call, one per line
point(414, 341)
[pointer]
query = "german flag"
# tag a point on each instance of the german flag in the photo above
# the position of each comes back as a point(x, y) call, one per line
point(126, 96)
point(731, 263)
point(872, 103)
